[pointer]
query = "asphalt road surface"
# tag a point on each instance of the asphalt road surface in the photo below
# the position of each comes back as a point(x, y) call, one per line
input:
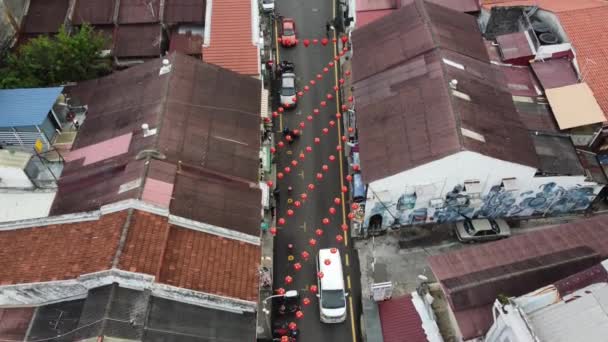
point(311, 17)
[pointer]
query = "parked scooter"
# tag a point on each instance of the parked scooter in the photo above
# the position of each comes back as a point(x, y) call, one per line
point(290, 304)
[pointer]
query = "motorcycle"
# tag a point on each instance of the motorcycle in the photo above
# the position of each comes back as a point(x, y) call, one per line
point(289, 304)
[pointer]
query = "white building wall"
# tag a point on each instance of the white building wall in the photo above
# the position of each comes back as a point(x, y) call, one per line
point(12, 177)
point(407, 196)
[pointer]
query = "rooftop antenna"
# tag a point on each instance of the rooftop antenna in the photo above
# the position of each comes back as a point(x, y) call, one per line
point(147, 131)
point(165, 68)
point(454, 84)
point(583, 73)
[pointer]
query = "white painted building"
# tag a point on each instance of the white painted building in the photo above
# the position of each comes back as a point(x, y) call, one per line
point(440, 139)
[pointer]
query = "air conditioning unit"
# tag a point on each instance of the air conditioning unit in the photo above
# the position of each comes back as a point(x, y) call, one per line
point(436, 203)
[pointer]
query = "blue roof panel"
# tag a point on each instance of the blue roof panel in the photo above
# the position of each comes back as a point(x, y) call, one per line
point(26, 107)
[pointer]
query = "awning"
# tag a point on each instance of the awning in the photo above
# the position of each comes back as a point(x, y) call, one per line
point(574, 106)
point(265, 195)
point(264, 112)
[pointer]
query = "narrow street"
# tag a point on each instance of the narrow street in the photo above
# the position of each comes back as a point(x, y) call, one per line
point(311, 18)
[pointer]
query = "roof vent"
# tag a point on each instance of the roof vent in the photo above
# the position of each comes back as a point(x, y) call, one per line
point(454, 84)
point(165, 68)
point(147, 131)
point(154, 154)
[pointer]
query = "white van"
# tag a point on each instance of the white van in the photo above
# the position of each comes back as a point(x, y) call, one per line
point(332, 298)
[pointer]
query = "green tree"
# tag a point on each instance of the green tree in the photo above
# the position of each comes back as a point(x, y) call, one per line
point(50, 61)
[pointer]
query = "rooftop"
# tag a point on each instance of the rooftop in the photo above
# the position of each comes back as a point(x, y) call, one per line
point(45, 16)
point(409, 84)
point(232, 46)
point(194, 101)
point(26, 107)
point(516, 266)
point(22, 205)
point(176, 256)
point(399, 318)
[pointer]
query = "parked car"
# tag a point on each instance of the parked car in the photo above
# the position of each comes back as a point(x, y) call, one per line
point(268, 6)
point(482, 230)
point(288, 89)
point(288, 32)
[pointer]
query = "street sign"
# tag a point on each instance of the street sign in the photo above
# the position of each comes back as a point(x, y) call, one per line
point(382, 291)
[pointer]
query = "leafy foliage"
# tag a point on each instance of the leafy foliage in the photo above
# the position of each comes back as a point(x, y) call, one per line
point(50, 61)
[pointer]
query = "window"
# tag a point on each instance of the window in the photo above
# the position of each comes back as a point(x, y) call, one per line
point(472, 186)
point(509, 184)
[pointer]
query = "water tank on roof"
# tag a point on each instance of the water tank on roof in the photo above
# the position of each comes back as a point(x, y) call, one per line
point(548, 38)
point(540, 27)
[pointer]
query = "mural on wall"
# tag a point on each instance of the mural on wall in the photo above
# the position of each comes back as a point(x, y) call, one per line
point(548, 199)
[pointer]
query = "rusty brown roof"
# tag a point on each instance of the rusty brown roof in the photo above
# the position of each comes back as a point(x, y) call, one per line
point(187, 43)
point(45, 16)
point(206, 116)
point(408, 115)
point(138, 11)
point(94, 12)
point(138, 40)
point(555, 73)
point(185, 11)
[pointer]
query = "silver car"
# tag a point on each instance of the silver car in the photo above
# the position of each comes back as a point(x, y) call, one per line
point(482, 230)
point(288, 89)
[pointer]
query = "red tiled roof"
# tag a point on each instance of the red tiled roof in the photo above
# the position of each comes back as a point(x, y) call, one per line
point(59, 252)
point(586, 29)
point(399, 319)
point(176, 256)
point(231, 42)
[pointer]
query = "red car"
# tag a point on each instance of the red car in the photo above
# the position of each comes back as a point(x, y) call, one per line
point(288, 32)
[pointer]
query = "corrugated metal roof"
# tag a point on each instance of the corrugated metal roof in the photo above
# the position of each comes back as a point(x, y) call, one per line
point(188, 43)
point(138, 40)
point(555, 73)
point(96, 12)
point(26, 107)
point(138, 11)
point(515, 47)
point(45, 16)
point(400, 321)
point(232, 46)
point(186, 11)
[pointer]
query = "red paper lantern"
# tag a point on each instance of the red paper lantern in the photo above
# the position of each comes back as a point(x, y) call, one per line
point(336, 88)
point(304, 196)
point(326, 70)
point(341, 81)
point(275, 114)
point(273, 150)
point(349, 178)
point(305, 301)
point(317, 140)
point(333, 250)
point(316, 111)
point(296, 131)
point(280, 291)
point(354, 206)
point(306, 88)
point(324, 41)
point(309, 118)
point(318, 231)
point(280, 175)
point(315, 41)
point(302, 124)
point(300, 93)
point(313, 288)
point(311, 186)
point(332, 157)
point(356, 167)
point(351, 215)
point(334, 40)
point(344, 189)
point(344, 108)
point(324, 168)
point(344, 138)
point(344, 227)
point(325, 130)
point(266, 120)
point(323, 104)
point(331, 64)
point(312, 242)
point(319, 176)
point(305, 255)
point(308, 149)
point(288, 137)
point(320, 275)
point(294, 163)
point(327, 262)
point(351, 129)
point(332, 210)
point(285, 338)
point(339, 148)
point(339, 238)
point(287, 105)
point(330, 97)
point(273, 231)
point(279, 39)
point(332, 123)
point(297, 266)
point(306, 42)
point(337, 58)
point(281, 221)
point(345, 49)
point(342, 53)
point(302, 156)
point(325, 221)
point(350, 98)
point(288, 280)
point(290, 212)
point(294, 99)
point(319, 76)
point(337, 201)
point(270, 183)
point(313, 82)
point(292, 326)
point(299, 314)
point(344, 39)
point(347, 72)
point(281, 109)
point(287, 169)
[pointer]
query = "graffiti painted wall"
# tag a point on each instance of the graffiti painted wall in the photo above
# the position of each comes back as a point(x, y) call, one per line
point(446, 199)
